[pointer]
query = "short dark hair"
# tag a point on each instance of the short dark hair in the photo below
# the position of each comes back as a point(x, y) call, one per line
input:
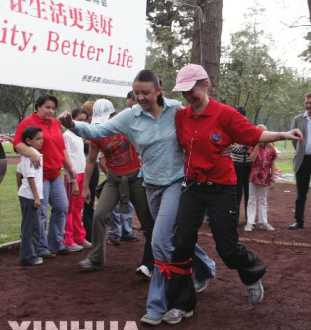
point(130, 95)
point(44, 98)
point(149, 76)
point(76, 112)
point(241, 110)
point(30, 132)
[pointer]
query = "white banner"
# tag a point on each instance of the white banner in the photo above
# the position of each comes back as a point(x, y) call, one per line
point(87, 46)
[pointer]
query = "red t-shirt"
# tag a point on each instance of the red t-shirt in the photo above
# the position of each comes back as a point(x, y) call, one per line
point(120, 155)
point(205, 138)
point(53, 143)
point(262, 167)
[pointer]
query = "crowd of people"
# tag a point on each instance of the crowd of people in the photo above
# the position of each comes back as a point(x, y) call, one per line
point(172, 165)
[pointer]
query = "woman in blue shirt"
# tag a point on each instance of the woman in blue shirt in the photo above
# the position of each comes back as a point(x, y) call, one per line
point(150, 127)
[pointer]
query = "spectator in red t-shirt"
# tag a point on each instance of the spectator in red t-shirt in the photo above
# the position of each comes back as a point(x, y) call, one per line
point(262, 156)
point(54, 158)
point(123, 184)
point(205, 129)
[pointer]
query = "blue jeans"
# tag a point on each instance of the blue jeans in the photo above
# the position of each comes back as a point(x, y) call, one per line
point(54, 194)
point(121, 223)
point(163, 204)
point(29, 225)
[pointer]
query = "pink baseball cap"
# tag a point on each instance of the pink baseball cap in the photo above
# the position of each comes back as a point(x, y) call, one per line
point(188, 76)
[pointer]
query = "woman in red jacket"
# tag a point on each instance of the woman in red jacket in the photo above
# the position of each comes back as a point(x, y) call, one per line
point(54, 158)
point(204, 130)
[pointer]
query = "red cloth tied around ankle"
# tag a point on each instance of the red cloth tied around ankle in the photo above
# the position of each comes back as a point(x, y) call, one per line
point(170, 268)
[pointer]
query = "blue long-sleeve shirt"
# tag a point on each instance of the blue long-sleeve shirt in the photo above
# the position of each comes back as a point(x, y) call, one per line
point(154, 139)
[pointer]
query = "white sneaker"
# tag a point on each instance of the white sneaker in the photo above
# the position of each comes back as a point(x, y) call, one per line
point(144, 272)
point(38, 261)
point(265, 226)
point(74, 247)
point(86, 244)
point(248, 227)
point(200, 286)
point(255, 293)
point(148, 319)
point(174, 316)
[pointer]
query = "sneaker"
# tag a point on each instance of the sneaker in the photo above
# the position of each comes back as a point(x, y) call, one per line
point(265, 226)
point(200, 286)
point(47, 254)
point(248, 227)
point(89, 265)
point(296, 225)
point(34, 262)
point(64, 251)
point(148, 319)
point(74, 247)
point(144, 272)
point(86, 244)
point(175, 316)
point(255, 293)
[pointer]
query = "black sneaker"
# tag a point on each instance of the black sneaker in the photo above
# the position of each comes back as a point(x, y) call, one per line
point(295, 226)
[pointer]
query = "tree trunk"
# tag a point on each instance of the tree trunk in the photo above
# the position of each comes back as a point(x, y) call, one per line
point(206, 49)
point(309, 5)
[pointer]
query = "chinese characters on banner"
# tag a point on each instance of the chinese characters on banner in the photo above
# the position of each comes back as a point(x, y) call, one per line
point(89, 46)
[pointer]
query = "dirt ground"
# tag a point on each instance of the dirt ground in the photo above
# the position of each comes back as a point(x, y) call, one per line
point(57, 290)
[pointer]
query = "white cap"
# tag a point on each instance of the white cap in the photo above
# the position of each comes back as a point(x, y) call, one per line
point(102, 109)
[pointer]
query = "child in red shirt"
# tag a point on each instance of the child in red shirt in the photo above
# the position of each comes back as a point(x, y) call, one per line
point(261, 177)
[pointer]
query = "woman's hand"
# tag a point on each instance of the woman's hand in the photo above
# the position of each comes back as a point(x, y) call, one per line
point(65, 119)
point(35, 160)
point(86, 194)
point(75, 188)
point(37, 203)
point(293, 134)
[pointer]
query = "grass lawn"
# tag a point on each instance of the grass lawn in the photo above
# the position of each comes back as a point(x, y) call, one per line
point(9, 207)
point(284, 161)
point(8, 148)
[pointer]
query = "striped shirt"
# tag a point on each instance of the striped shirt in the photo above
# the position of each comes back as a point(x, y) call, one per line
point(239, 153)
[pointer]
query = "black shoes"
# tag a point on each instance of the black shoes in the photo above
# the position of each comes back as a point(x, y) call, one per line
point(295, 226)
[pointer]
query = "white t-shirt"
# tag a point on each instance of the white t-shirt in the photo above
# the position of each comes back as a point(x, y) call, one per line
point(75, 149)
point(27, 170)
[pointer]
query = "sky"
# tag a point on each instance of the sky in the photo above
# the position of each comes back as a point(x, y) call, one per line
point(288, 42)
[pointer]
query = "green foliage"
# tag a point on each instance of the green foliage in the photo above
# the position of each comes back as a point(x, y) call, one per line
point(250, 77)
point(10, 216)
point(8, 148)
point(16, 100)
point(169, 35)
point(306, 54)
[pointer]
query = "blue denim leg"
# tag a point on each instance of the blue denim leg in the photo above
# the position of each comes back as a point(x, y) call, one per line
point(41, 243)
point(30, 220)
point(59, 203)
point(163, 203)
point(203, 266)
point(126, 221)
point(115, 224)
point(121, 223)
